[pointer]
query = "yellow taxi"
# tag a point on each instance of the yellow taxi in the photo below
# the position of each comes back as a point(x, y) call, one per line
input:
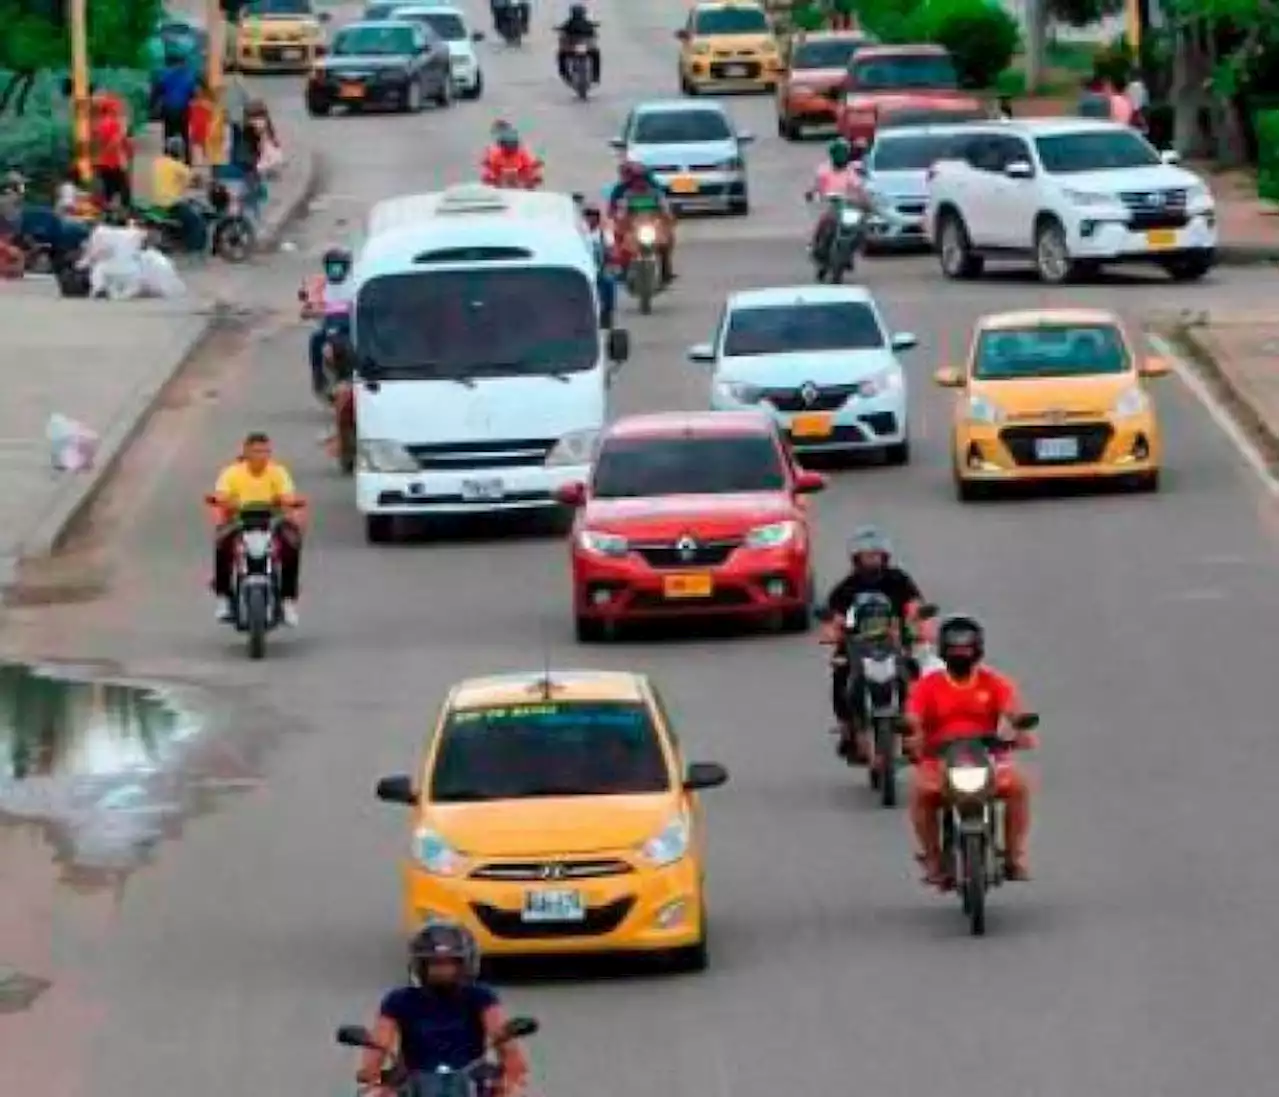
point(277, 36)
point(1053, 394)
point(727, 45)
point(553, 813)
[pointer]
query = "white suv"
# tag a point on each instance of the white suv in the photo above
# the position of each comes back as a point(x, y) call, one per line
point(1072, 193)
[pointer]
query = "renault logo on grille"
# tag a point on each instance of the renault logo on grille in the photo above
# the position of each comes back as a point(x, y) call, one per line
point(686, 548)
point(809, 394)
point(552, 872)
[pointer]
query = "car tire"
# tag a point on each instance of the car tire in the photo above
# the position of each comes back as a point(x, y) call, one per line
point(1054, 265)
point(788, 130)
point(413, 100)
point(589, 630)
point(695, 957)
point(444, 97)
point(740, 207)
point(1148, 483)
point(477, 89)
point(379, 529)
point(955, 252)
point(318, 107)
point(899, 453)
point(969, 492)
point(688, 87)
point(796, 621)
point(1188, 268)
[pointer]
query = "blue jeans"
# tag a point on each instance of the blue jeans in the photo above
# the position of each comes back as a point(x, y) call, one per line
point(331, 325)
point(195, 230)
point(607, 288)
point(41, 224)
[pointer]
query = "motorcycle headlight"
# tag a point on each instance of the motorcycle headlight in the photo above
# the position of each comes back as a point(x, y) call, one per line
point(878, 384)
point(382, 455)
point(982, 410)
point(739, 392)
point(435, 854)
point(968, 780)
point(575, 448)
point(880, 672)
point(669, 844)
point(1131, 402)
point(257, 543)
point(603, 544)
point(850, 218)
point(646, 236)
point(774, 535)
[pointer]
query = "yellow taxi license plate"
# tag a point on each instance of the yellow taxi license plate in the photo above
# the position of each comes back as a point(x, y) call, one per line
point(1162, 238)
point(688, 585)
point(684, 184)
point(813, 425)
point(351, 91)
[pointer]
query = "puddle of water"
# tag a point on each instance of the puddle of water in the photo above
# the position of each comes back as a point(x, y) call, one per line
point(108, 768)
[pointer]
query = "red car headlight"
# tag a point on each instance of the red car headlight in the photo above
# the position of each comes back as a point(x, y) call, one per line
point(603, 544)
point(774, 535)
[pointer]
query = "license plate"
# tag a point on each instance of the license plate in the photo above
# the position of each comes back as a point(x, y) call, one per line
point(482, 491)
point(684, 184)
point(352, 91)
point(553, 906)
point(1057, 449)
point(696, 585)
point(292, 55)
point(814, 425)
point(735, 70)
point(1162, 238)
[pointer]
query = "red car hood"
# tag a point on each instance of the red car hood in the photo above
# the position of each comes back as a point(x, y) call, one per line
point(933, 97)
point(668, 517)
point(818, 79)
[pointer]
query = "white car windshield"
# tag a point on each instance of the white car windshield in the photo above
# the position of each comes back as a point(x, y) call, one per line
point(1095, 150)
point(787, 329)
point(683, 127)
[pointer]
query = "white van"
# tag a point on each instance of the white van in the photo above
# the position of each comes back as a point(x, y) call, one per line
point(482, 370)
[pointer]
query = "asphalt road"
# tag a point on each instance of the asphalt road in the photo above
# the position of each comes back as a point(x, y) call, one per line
point(1137, 964)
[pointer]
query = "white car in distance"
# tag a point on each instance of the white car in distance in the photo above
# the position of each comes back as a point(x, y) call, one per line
point(451, 25)
point(821, 361)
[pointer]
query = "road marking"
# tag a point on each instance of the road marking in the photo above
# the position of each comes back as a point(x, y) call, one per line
point(1238, 437)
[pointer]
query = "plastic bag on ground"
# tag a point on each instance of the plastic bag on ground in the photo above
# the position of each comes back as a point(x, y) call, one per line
point(73, 447)
point(160, 277)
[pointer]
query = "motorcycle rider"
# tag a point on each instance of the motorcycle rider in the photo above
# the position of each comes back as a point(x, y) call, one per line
point(635, 181)
point(871, 572)
point(602, 244)
point(579, 27)
point(334, 307)
point(254, 479)
point(838, 177)
point(443, 1016)
point(515, 9)
point(508, 158)
point(964, 698)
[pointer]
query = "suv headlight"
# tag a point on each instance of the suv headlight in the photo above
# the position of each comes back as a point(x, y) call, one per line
point(1131, 402)
point(774, 535)
point(1199, 195)
point(887, 380)
point(739, 392)
point(435, 854)
point(381, 455)
point(575, 448)
point(669, 844)
point(982, 410)
point(1090, 198)
point(603, 544)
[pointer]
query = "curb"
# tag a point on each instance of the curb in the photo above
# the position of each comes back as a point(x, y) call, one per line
point(297, 198)
point(1247, 255)
point(1179, 337)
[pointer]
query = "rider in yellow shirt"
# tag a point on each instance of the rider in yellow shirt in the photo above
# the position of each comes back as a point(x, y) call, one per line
point(171, 182)
point(256, 480)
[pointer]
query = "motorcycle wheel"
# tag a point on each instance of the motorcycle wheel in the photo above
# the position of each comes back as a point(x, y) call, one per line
point(255, 612)
point(886, 757)
point(645, 279)
point(973, 882)
point(233, 239)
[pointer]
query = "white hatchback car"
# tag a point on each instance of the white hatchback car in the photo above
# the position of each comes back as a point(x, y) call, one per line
point(820, 360)
point(451, 25)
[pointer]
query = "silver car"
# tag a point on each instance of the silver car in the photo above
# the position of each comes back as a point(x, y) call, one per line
point(693, 150)
point(896, 168)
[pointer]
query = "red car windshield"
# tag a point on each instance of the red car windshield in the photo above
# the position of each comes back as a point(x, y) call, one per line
point(904, 72)
point(716, 464)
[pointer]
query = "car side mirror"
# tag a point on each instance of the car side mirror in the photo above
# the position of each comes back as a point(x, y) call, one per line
point(1020, 169)
point(702, 775)
point(682, 36)
point(571, 495)
point(617, 144)
point(1154, 367)
point(703, 354)
point(807, 483)
point(1170, 156)
point(618, 346)
point(903, 340)
point(948, 379)
point(477, 36)
point(397, 790)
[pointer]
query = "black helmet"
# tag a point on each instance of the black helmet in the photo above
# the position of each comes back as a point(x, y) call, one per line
point(871, 615)
point(443, 941)
point(961, 643)
point(577, 11)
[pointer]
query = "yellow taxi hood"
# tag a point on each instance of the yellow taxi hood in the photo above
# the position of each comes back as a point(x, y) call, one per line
point(737, 41)
point(1095, 394)
point(550, 826)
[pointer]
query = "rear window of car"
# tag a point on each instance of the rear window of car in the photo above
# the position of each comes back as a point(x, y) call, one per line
point(731, 21)
point(903, 71)
point(1050, 350)
point(831, 53)
point(916, 153)
point(709, 464)
point(446, 24)
point(783, 329)
point(680, 127)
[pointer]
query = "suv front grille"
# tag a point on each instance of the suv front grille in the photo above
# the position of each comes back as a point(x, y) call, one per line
point(1156, 209)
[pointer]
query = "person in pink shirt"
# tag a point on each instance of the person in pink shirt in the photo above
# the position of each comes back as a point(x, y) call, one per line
point(838, 177)
point(1121, 104)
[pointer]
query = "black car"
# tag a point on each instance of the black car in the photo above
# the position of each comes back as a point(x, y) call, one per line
point(382, 63)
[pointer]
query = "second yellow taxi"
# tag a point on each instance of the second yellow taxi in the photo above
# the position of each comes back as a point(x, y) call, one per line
point(553, 813)
point(1053, 394)
point(728, 46)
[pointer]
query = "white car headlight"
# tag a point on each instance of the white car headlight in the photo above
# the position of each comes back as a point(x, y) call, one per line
point(1198, 194)
point(1131, 402)
point(381, 455)
point(774, 535)
point(878, 384)
point(435, 854)
point(968, 780)
point(647, 236)
point(575, 448)
point(740, 392)
point(982, 410)
point(670, 843)
point(1090, 198)
point(603, 544)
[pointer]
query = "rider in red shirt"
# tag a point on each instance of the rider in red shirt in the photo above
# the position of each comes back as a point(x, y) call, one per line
point(507, 163)
point(960, 700)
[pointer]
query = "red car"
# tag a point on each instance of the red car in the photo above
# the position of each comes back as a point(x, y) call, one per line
point(887, 79)
point(692, 513)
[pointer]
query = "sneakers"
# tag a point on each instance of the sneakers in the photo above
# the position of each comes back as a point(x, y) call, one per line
point(222, 609)
point(289, 613)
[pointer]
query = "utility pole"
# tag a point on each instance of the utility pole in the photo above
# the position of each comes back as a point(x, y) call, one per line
point(81, 130)
point(216, 22)
point(1133, 24)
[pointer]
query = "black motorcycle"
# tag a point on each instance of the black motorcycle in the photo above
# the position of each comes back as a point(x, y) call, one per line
point(577, 67)
point(878, 686)
point(229, 233)
point(256, 606)
point(845, 235)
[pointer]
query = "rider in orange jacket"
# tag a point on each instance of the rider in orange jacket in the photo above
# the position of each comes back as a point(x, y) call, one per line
point(507, 163)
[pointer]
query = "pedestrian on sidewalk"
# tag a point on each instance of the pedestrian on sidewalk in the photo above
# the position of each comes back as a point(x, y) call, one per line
point(112, 151)
point(200, 126)
point(173, 93)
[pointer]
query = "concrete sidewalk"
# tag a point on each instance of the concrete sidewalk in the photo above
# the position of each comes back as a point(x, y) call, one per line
point(105, 364)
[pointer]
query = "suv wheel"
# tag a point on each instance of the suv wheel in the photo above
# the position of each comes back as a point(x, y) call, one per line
point(1053, 258)
point(955, 253)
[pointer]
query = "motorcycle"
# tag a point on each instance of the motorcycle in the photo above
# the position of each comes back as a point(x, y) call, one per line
point(476, 1079)
point(230, 234)
point(577, 68)
point(255, 575)
point(973, 817)
point(846, 236)
point(336, 323)
point(511, 21)
point(642, 265)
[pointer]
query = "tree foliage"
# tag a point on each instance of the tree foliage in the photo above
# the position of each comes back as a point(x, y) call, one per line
point(981, 35)
point(36, 36)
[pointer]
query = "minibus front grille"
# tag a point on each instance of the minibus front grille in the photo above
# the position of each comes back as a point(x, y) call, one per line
point(461, 456)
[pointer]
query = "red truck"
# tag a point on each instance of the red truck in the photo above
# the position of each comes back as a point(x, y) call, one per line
point(882, 80)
